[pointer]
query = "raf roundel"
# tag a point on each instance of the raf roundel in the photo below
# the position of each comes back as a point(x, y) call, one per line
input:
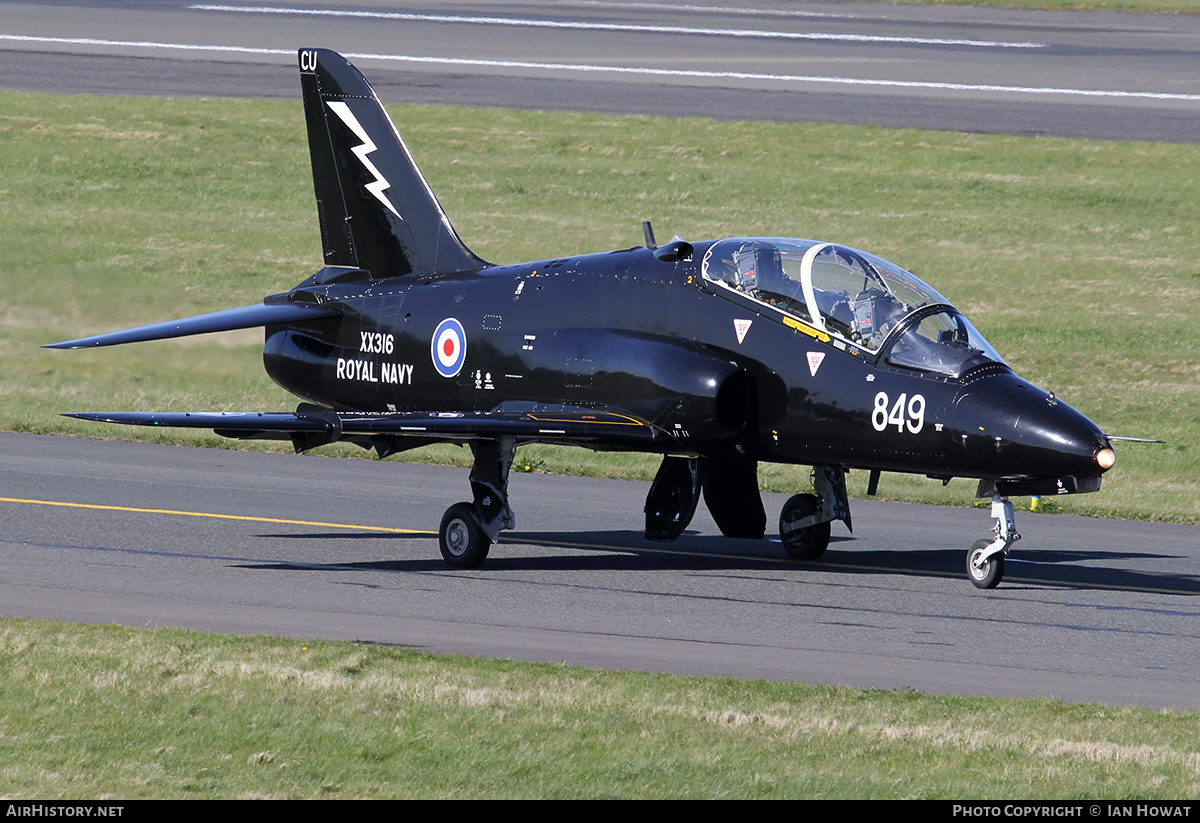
point(449, 347)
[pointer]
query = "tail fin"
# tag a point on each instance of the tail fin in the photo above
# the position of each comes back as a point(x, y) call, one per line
point(375, 208)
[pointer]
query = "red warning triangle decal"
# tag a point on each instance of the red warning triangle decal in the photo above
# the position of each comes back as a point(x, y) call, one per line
point(814, 361)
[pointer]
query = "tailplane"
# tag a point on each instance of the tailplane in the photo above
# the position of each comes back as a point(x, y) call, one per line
point(375, 209)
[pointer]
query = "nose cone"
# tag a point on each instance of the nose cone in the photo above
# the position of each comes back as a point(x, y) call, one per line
point(1012, 429)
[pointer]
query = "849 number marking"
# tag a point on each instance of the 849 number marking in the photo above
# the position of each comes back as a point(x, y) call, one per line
point(905, 413)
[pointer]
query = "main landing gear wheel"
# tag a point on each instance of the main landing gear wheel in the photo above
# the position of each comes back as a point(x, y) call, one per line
point(807, 543)
point(988, 575)
point(461, 539)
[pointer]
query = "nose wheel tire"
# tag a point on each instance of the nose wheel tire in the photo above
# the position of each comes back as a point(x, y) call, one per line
point(802, 544)
point(462, 541)
point(989, 574)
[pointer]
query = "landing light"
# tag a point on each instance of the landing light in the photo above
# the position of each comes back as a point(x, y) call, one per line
point(1105, 458)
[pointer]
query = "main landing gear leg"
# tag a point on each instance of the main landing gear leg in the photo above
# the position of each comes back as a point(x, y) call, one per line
point(673, 496)
point(469, 529)
point(804, 521)
point(985, 560)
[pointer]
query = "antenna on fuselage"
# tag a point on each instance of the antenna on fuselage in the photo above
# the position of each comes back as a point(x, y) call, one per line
point(648, 230)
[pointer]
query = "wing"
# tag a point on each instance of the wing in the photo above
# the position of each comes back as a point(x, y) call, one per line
point(391, 432)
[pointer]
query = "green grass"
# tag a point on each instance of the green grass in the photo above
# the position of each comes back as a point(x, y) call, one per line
point(1079, 260)
point(113, 712)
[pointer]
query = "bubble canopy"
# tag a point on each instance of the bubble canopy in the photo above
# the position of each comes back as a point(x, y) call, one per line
point(852, 295)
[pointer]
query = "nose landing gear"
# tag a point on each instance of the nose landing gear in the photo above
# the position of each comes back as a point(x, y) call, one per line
point(985, 560)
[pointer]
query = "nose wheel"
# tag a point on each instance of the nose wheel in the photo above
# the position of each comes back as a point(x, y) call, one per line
point(985, 572)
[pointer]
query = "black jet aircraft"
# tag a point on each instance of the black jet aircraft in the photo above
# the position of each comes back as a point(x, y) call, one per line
point(717, 355)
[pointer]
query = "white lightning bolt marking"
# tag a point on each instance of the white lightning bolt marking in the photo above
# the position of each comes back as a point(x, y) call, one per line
point(362, 150)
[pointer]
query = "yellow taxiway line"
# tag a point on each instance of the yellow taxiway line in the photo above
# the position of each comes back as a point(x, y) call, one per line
point(214, 515)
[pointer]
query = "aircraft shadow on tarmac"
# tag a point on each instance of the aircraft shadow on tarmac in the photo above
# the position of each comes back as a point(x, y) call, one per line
point(630, 551)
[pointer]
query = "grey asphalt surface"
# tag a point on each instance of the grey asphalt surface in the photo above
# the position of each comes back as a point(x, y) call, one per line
point(1090, 610)
point(1105, 76)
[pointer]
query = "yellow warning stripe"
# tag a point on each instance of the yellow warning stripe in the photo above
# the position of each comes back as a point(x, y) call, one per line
point(806, 329)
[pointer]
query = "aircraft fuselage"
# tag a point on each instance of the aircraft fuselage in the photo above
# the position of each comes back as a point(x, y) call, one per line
point(711, 371)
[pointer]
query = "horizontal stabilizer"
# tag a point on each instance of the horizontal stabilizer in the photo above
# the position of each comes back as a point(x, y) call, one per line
point(246, 317)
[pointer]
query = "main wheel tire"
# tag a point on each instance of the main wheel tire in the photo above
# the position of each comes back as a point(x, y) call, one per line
point(989, 575)
point(803, 544)
point(462, 540)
